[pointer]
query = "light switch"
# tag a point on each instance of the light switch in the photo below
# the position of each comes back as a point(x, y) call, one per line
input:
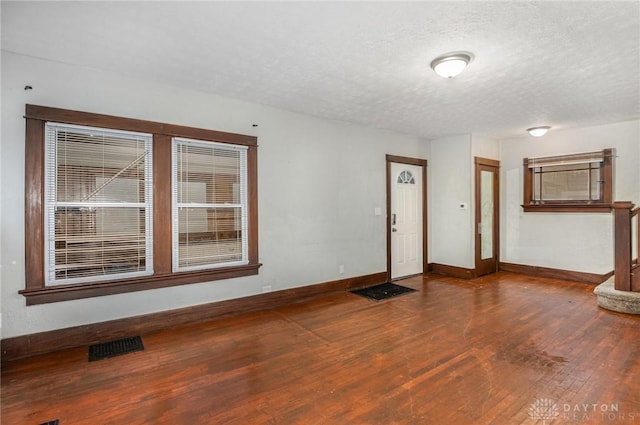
point(377, 211)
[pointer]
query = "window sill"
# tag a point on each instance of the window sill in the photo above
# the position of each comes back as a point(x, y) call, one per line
point(51, 294)
point(570, 208)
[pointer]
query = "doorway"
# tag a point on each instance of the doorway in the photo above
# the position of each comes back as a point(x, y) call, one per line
point(486, 215)
point(406, 216)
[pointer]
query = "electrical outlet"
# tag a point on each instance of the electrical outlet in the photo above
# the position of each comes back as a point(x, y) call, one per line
point(341, 269)
point(266, 288)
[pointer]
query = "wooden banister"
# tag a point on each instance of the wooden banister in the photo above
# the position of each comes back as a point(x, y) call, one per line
point(635, 262)
point(625, 265)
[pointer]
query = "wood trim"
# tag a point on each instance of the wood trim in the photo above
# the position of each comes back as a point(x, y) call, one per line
point(622, 244)
point(252, 199)
point(162, 233)
point(490, 265)
point(410, 161)
point(453, 271)
point(52, 294)
point(388, 221)
point(527, 191)
point(607, 175)
point(66, 116)
point(34, 204)
point(44, 342)
point(407, 160)
point(486, 161)
point(635, 269)
point(550, 273)
point(568, 208)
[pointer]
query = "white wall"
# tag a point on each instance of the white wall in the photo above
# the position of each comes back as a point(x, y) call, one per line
point(319, 182)
point(451, 231)
point(484, 147)
point(571, 241)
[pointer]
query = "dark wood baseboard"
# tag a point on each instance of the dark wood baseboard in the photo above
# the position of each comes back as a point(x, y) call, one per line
point(592, 278)
point(59, 339)
point(453, 271)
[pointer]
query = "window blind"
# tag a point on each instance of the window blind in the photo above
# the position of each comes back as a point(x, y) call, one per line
point(209, 204)
point(577, 182)
point(580, 158)
point(98, 204)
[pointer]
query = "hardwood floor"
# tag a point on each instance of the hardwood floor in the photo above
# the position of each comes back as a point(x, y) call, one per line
point(487, 351)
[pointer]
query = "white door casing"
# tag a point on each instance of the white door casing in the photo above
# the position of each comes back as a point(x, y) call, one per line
point(406, 220)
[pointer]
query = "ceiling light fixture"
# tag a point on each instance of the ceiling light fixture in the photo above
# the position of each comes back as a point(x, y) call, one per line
point(538, 131)
point(451, 64)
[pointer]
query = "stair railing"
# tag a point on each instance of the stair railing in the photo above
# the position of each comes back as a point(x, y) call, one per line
point(627, 246)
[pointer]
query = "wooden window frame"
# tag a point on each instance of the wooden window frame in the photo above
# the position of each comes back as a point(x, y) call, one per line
point(35, 290)
point(602, 205)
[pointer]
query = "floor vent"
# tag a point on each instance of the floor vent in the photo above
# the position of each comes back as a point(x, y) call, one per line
point(53, 422)
point(383, 291)
point(115, 348)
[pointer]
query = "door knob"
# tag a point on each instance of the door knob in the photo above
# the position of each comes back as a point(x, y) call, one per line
point(393, 229)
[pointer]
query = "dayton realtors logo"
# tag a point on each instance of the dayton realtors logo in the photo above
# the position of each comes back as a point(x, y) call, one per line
point(544, 409)
point(547, 410)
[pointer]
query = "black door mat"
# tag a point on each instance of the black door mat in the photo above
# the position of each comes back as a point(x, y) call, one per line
point(383, 291)
point(115, 348)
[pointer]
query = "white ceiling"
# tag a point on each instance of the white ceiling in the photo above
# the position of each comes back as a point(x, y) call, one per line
point(564, 64)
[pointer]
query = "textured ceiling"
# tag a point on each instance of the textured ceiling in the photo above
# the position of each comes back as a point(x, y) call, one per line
point(564, 64)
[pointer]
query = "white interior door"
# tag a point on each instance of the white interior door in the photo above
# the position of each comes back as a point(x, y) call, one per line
point(406, 220)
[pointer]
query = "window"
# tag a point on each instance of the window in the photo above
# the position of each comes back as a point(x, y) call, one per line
point(117, 205)
point(209, 205)
point(98, 206)
point(567, 183)
point(406, 177)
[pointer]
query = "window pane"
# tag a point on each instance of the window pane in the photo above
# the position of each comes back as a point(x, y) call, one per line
point(209, 236)
point(568, 185)
point(97, 167)
point(192, 191)
point(486, 214)
point(119, 189)
point(98, 202)
point(537, 187)
point(574, 182)
point(596, 184)
point(208, 174)
point(209, 205)
point(99, 241)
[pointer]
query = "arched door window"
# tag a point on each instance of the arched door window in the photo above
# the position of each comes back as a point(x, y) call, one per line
point(406, 177)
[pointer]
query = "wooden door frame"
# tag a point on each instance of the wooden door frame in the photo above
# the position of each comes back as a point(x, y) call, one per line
point(420, 163)
point(478, 161)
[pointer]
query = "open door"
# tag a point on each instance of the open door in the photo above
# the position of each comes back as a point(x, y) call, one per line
point(486, 213)
point(406, 209)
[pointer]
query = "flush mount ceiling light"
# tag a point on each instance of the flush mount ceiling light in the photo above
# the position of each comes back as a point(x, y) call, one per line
point(451, 64)
point(538, 131)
